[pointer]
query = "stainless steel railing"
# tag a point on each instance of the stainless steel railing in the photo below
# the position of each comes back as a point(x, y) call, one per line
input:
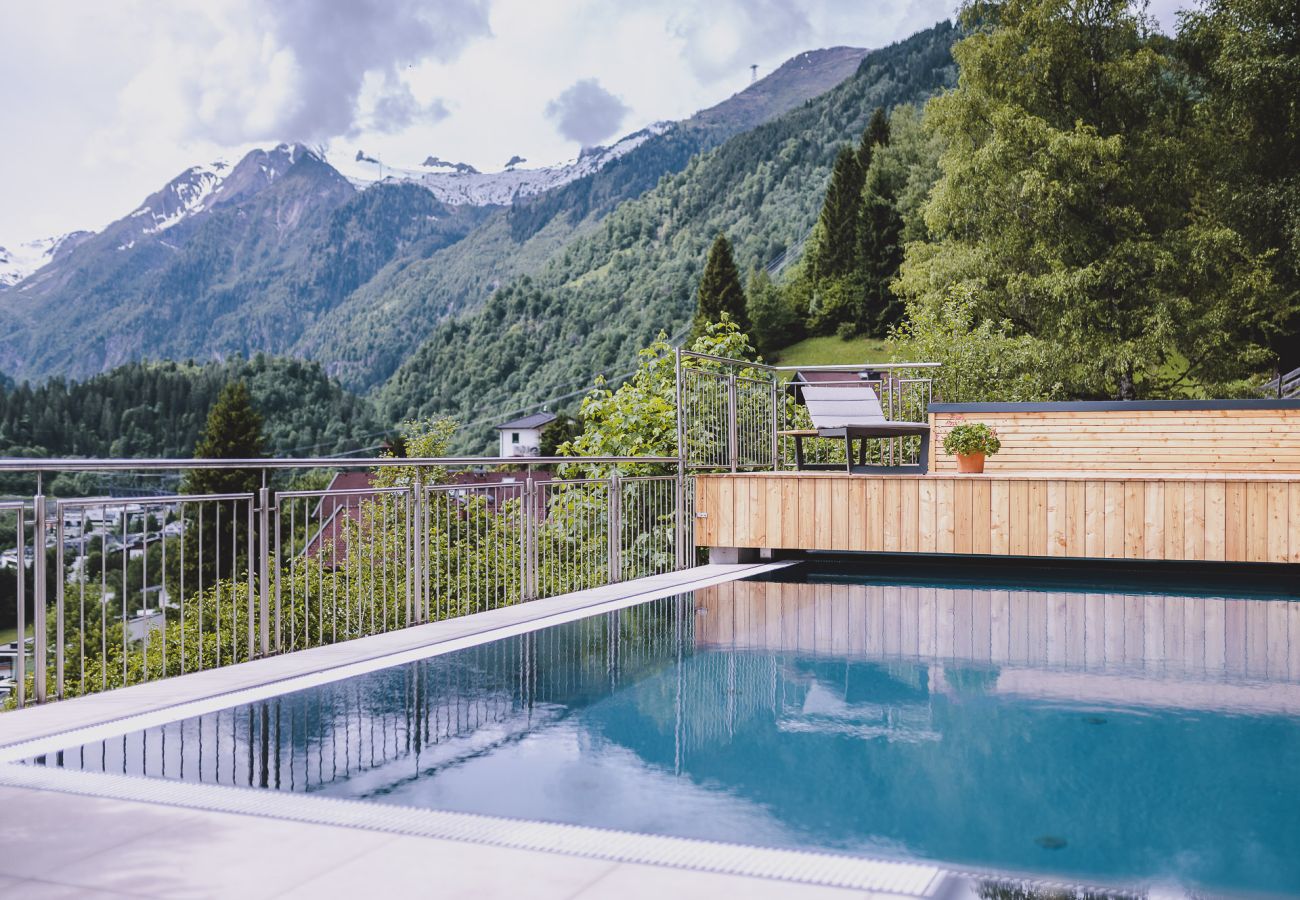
point(731, 413)
point(107, 592)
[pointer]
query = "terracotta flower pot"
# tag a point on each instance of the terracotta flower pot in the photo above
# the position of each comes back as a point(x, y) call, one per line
point(970, 463)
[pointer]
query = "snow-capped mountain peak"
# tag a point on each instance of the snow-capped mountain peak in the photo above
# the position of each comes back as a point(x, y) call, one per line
point(200, 188)
point(187, 193)
point(460, 183)
point(23, 259)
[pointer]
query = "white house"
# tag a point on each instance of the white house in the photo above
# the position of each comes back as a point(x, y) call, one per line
point(523, 437)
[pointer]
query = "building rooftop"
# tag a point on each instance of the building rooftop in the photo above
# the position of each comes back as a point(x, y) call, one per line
point(535, 420)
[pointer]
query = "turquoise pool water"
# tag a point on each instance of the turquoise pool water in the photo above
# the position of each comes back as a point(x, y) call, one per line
point(1106, 737)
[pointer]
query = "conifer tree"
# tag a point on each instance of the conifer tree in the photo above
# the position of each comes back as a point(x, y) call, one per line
point(834, 250)
point(876, 134)
point(720, 290)
point(233, 431)
point(880, 249)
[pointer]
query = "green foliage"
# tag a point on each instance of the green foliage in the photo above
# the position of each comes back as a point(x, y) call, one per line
point(1074, 198)
point(1245, 58)
point(426, 438)
point(970, 438)
point(835, 350)
point(720, 291)
point(159, 410)
point(564, 429)
point(233, 431)
point(979, 358)
point(833, 251)
point(640, 417)
point(856, 248)
point(773, 320)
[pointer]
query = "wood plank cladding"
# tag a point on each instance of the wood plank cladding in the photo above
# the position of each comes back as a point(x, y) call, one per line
point(1227, 519)
point(1114, 634)
point(1144, 440)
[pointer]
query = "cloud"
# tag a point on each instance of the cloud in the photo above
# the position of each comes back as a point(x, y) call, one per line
point(720, 39)
point(586, 112)
point(396, 109)
point(724, 37)
point(295, 69)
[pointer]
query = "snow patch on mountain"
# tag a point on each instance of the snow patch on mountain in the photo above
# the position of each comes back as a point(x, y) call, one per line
point(460, 184)
point(186, 194)
point(25, 259)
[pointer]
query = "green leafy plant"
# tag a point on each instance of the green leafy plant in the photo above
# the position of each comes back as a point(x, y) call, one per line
point(972, 438)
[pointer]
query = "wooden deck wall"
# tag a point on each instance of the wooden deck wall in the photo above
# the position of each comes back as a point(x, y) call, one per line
point(1226, 518)
point(1096, 438)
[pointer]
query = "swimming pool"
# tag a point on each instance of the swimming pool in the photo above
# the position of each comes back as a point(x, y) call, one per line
point(1105, 736)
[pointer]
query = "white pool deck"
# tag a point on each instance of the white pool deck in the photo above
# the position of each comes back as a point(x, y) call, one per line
point(74, 834)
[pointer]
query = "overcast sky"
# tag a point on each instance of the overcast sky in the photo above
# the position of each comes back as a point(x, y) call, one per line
point(103, 102)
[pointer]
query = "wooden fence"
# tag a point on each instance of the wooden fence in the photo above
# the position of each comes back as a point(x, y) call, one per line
point(1231, 518)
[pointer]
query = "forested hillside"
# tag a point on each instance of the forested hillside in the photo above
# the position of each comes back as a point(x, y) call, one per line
point(608, 293)
point(158, 410)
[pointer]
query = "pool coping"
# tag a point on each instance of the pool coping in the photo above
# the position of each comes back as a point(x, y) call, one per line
point(29, 731)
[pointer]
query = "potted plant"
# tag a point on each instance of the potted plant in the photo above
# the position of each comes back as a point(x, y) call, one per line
point(970, 442)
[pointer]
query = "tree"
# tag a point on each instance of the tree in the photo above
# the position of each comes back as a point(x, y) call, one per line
point(720, 290)
point(880, 252)
point(1245, 55)
point(978, 358)
point(640, 418)
point(233, 431)
point(1076, 197)
point(834, 239)
point(774, 322)
point(562, 430)
point(876, 134)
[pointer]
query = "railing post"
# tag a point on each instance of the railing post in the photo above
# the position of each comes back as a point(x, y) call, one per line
point(776, 423)
point(733, 439)
point(419, 549)
point(21, 661)
point(680, 520)
point(59, 569)
point(680, 417)
point(264, 569)
point(532, 523)
point(38, 596)
point(614, 515)
point(253, 564)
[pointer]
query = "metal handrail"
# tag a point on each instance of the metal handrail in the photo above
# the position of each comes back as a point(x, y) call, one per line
point(285, 570)
point(73, 464)
point(858, 367)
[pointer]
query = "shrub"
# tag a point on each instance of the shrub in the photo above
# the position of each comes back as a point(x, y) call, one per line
point(971, 438)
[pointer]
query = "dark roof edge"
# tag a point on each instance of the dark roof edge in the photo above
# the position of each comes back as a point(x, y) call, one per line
point(529, 421)
point(1114, 406)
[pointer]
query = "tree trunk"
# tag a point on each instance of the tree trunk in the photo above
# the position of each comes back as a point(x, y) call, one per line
point(1127, 389)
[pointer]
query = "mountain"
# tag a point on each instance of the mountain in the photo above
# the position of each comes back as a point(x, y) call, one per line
point(176, 276)
point(608, 291)
point(461, 183)
point(282, 253)
point(30, 257)
point(382, 323)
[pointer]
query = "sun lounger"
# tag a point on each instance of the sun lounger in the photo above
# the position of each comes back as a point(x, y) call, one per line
point(853, 413)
